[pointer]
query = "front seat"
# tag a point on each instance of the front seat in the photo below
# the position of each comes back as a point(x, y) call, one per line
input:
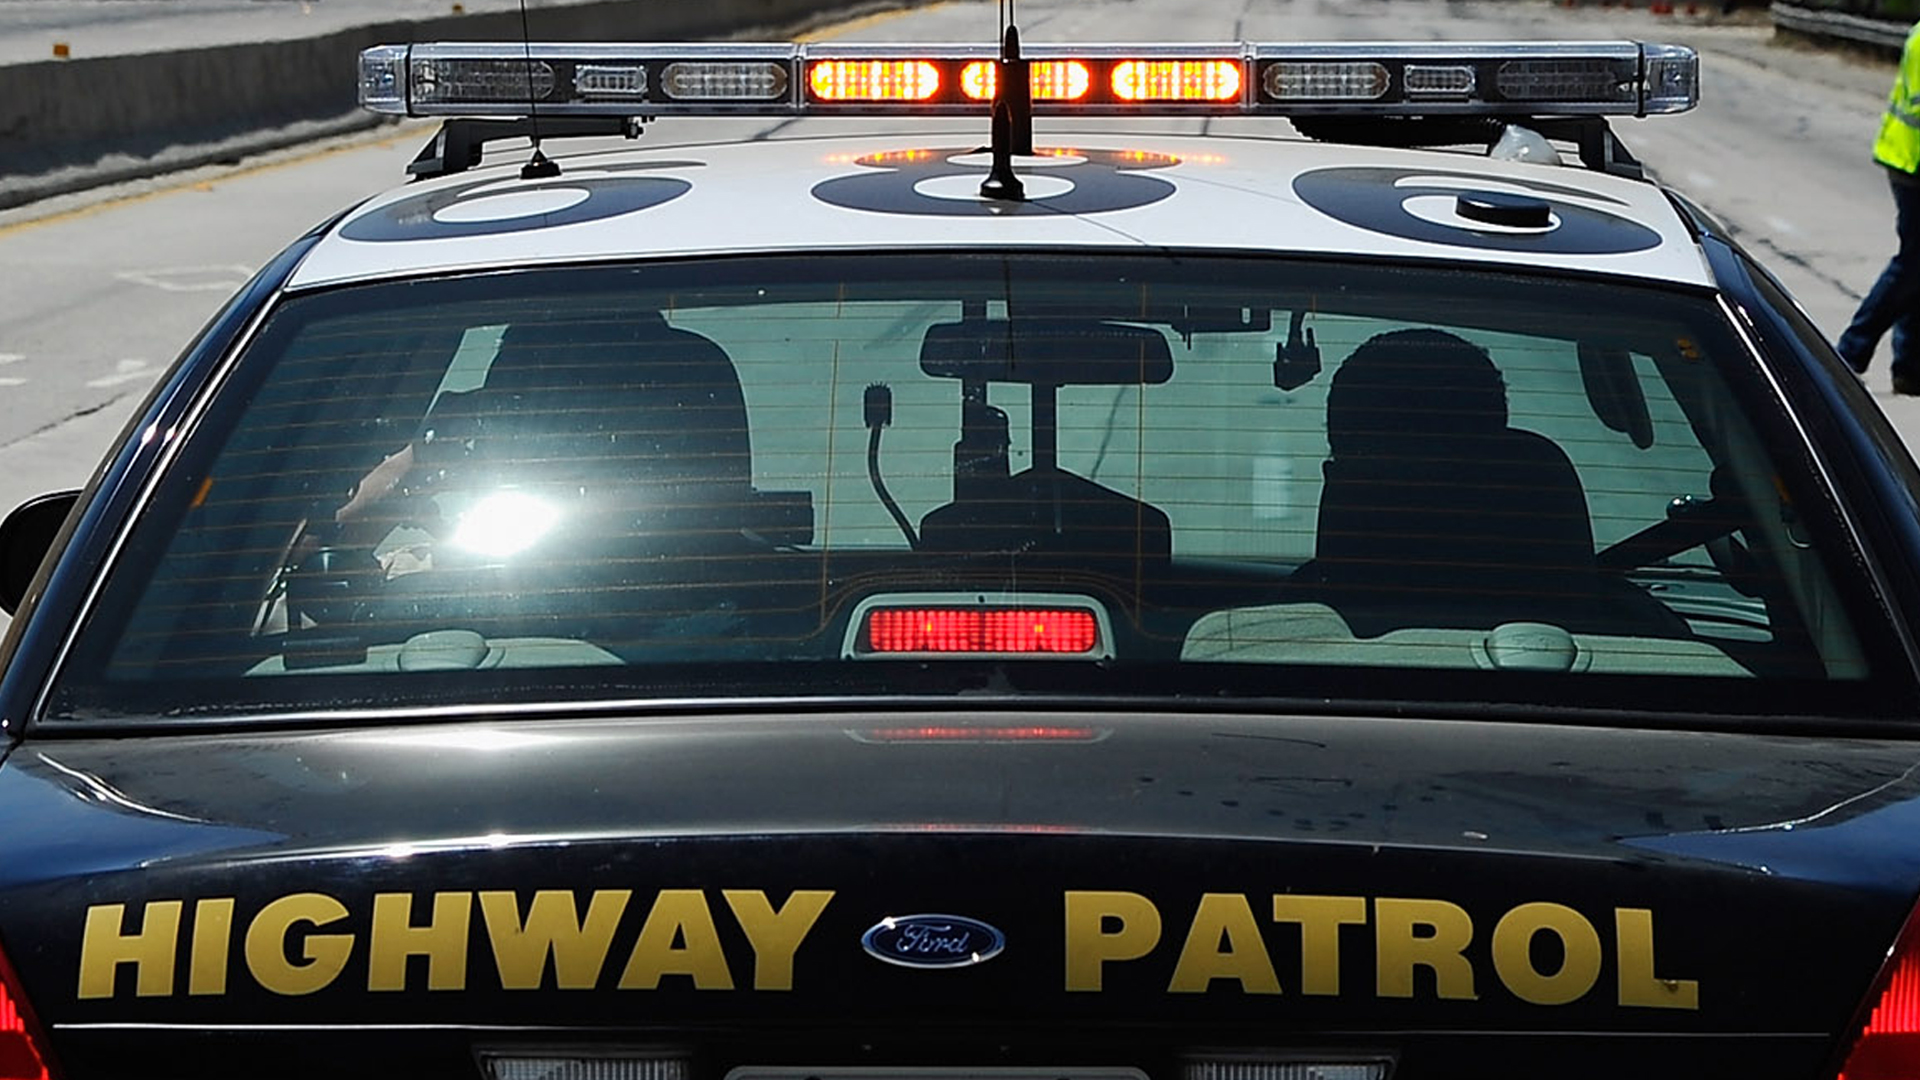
point(1435, 512)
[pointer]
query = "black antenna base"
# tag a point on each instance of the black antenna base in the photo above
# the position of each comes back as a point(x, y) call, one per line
point(539, 167)
point(1012, 121)
point(1002, 184)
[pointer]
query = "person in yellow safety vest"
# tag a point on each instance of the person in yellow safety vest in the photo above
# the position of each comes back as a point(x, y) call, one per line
point(1894, 300)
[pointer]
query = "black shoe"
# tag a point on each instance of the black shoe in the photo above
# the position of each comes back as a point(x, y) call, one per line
point(1908, 385)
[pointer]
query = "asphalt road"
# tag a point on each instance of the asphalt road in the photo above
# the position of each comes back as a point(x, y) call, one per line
point(102, 290)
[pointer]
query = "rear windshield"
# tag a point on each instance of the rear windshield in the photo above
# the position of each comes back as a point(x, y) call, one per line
point(1031, 476)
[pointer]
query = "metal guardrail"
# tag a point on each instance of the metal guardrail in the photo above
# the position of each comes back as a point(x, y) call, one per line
point(1818, 22)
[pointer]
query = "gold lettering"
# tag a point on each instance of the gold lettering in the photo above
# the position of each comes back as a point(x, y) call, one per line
point(1090, 945)
point(1513, 953)
point(326, 954)
point(1448, 929)
point(553, 926)
point(1320, 919)
point(1228, 916)
point(212, 937)
point(678, 915)
point(443, 941)
point(1633, 931)
point(103, 948)
point(775, 935)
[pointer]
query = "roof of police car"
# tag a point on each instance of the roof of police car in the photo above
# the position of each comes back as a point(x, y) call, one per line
point(1099, 190)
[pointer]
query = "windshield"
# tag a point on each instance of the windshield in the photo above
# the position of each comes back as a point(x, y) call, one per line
point(1034, 474)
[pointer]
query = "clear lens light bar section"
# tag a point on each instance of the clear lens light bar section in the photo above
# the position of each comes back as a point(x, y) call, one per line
point(1542, 79)
point(1326, 80)
point(1601, 78)
point(1672, 80)
point(725, 81)
point(578, 79)
point(1427, 81)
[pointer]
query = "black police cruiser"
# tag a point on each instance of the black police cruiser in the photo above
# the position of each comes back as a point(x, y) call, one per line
point(1413, 600)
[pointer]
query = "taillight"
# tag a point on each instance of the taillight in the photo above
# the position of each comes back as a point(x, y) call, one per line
point(1888, 1046)
point(23, 1053)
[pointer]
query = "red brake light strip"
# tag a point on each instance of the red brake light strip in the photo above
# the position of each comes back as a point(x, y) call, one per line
point(982, 630)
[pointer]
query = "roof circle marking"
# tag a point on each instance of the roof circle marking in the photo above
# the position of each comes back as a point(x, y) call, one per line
point(1396, 202)
point(476, 208)
point(968, 187)
point(1022, 162)
point(932, 182)
point(513, 204)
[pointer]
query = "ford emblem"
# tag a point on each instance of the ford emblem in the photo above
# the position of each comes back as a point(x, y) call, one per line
point(933, 941)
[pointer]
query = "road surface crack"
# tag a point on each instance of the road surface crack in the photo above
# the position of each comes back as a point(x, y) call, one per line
point(78, 414)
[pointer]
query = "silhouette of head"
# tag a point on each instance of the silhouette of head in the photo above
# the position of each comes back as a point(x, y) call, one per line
point(1406, 389)
point(626, 397)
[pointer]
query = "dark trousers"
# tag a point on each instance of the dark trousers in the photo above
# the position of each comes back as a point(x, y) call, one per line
point(1894, 301)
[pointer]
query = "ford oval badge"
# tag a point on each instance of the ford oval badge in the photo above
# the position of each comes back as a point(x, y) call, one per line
point(933, 941)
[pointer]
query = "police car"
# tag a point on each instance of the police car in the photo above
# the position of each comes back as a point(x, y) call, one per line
point(1398, 595)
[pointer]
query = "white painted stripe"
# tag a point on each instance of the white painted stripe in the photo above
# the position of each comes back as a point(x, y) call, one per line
point(125, 371)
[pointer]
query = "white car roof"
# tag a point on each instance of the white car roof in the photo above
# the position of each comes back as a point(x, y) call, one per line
point(920, 192)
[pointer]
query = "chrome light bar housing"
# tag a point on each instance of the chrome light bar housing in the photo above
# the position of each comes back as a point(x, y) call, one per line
point(514, 79)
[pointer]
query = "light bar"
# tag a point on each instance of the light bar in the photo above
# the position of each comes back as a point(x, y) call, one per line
point(1542, 79)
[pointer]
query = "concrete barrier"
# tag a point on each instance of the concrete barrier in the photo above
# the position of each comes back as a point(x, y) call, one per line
point(1884, 35)
point(70, 124)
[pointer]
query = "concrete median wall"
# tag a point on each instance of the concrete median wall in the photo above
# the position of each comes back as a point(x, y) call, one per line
point(71, 122)
point(1825, 24)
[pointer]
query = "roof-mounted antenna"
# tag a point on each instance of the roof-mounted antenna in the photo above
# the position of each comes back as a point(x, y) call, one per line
point(1012, 114)
point(539, 166)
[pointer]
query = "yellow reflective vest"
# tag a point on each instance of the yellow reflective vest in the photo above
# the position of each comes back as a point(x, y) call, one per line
point(1898, 146)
